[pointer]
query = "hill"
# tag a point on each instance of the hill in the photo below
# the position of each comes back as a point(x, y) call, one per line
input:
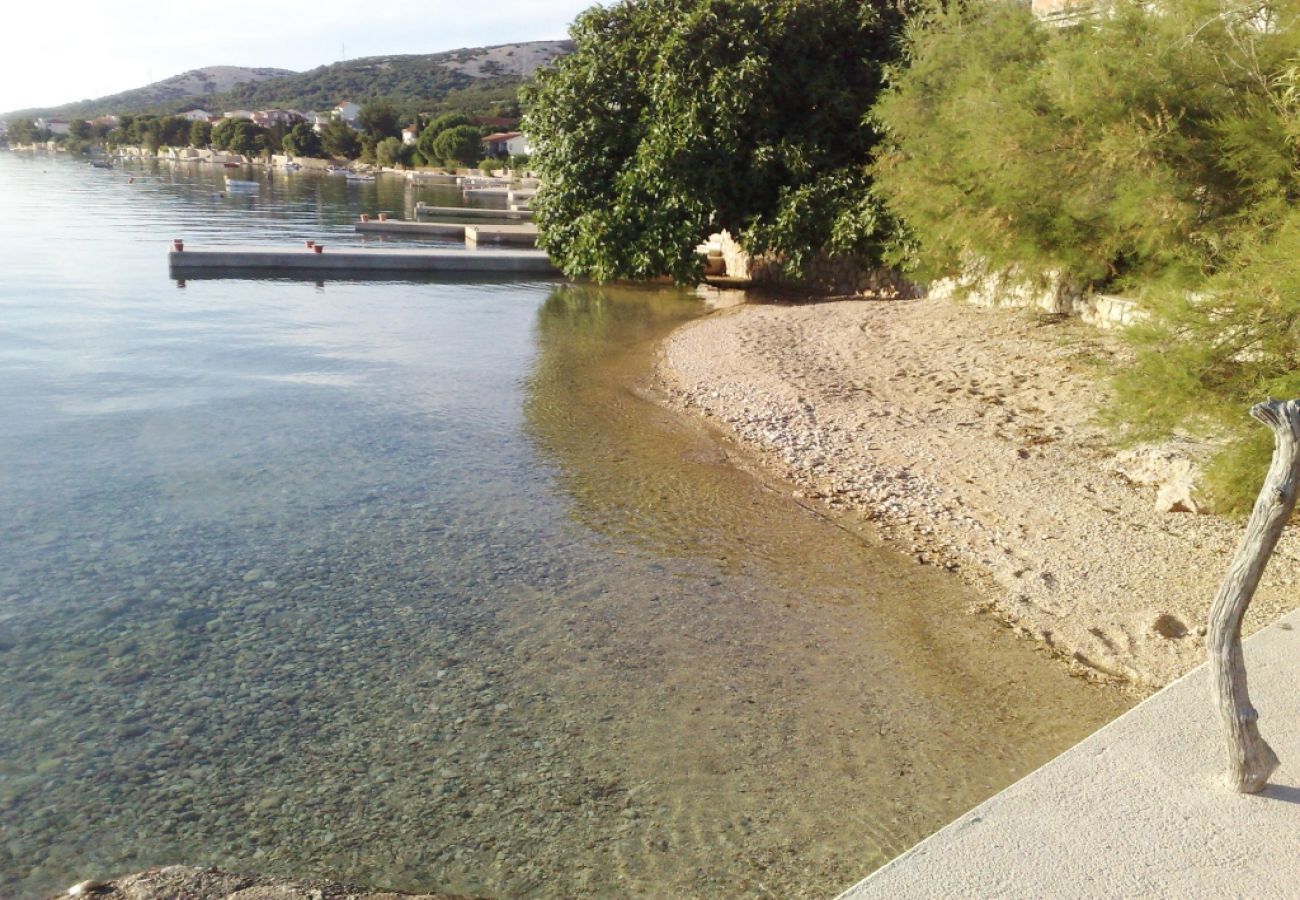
point(196, 87)
point(479, 80)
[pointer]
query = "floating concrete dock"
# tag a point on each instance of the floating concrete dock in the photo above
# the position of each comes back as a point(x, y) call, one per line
point(342, 262)
point(1136, 810)
point(471, 212)
point(473, 235)
point(418, 229)
point(521, 235)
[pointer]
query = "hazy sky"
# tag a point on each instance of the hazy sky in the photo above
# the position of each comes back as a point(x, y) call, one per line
point(59, 51)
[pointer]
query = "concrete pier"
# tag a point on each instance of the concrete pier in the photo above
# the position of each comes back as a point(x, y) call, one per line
point(345, 261)
point(469, 212)
point(522, 235)
point(1137, 810)
point(418, 229)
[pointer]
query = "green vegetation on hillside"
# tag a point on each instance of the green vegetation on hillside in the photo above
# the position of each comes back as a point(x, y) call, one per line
point(677, 118)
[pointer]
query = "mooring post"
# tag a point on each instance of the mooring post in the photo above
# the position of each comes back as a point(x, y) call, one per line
point(1250, 759)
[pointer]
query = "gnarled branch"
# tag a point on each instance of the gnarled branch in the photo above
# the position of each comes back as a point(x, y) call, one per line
point(1250, 759)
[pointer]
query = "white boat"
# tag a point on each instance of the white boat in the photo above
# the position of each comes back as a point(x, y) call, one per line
point(337, 170)
point(291, 167)
point(357, 176)
point(239, 184)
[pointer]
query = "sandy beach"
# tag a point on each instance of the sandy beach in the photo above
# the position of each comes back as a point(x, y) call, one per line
point(970, 437)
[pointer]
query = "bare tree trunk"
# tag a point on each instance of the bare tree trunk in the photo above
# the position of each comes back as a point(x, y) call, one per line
point(1250, 759)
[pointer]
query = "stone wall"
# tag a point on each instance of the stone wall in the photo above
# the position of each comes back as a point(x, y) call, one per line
point(1049, 292)
point(831, 275)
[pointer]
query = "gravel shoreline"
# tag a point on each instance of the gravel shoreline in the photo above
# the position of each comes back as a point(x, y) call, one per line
point(969, 436)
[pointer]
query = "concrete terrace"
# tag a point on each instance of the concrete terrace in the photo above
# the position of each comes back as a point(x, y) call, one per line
point(1136, 810)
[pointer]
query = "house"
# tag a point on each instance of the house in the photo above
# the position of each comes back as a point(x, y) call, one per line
point(53, 126)
point(410, 134)
point(104, 122)
point(238, 114)
point(506, 143)
point(270, 118)
point(347, 111)
point(197, 115)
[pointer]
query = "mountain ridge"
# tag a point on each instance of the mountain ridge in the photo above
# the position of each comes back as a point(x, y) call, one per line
point(474, 76)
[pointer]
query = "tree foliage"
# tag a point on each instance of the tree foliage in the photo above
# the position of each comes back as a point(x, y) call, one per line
point(677, 118)
point(460, 145)
point(302, 140)
point(1153, 149)
point(380, 120)
point(240, 136)
point(339, 140)
point(1139, 148)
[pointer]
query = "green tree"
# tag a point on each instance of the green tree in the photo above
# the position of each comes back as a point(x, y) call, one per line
point(239, 136)
point(461, 145)
point(391, 152)
point(302, 140)
point(200, 134)
point(23, 131)
point(380, 119)
point(79, 130)
point(424, 143)
point(677, 118)
point(339, 140)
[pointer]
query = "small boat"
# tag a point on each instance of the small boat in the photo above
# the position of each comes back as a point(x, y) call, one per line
point(291, 166)
point(100, 164)
point(337, 170)
point(239, 184)
point(231, 165)
point(357, 176)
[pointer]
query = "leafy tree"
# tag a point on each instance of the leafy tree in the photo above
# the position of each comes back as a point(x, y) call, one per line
point(339, 140)
point(302, 140)
point(424, 143)
point(380, 119)
point(677, 118)
point(461, 145)
point(79, 130)
point(239, 136)
point(200, 133)
point(24, 131)
point(390, 152)
point(174, 131)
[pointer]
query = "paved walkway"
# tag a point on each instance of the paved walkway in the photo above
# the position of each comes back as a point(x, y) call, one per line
point(1136, 810)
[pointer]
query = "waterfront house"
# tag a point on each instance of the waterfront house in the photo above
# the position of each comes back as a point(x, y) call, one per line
point(269, 118)
point(53, 126)
point(197, 115)
point(238, 114)
point(348, 111)
point(506, 143)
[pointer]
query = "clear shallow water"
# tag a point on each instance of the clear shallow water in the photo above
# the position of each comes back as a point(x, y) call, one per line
point(407, 584)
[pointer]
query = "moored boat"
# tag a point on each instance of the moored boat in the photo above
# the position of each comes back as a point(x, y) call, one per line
point(239, 184)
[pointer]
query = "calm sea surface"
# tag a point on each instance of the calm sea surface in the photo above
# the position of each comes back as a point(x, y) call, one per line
point(408, 584)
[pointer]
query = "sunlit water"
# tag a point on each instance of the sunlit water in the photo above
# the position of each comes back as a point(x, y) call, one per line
point(408, 584)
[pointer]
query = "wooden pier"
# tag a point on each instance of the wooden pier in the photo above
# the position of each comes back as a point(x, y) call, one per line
point(343, 262)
